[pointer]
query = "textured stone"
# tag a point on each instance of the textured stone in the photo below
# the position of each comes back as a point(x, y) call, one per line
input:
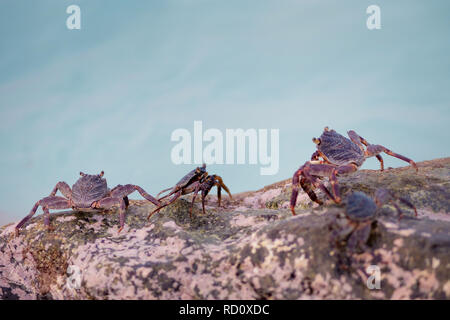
point(251, 249)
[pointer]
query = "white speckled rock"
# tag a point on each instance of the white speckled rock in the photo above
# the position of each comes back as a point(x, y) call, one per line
point(251, 249)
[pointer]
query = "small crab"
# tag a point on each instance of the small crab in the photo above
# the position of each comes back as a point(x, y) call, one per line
point(340, 155)
point(360, 213)
point(89, 192)
point(195, 181)
point(193, 176)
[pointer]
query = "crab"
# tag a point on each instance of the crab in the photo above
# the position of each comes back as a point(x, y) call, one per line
point(195, 181)
point(336, 155)
point(355, 223)
point(90, 192)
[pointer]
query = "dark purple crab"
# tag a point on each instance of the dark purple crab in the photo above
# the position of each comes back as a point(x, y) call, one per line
point(340, 155)
point(355, 223)
point(195, 175)
point(195, 181)
point(89, 192)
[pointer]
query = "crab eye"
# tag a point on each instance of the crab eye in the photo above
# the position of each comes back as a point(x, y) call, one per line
point(82, 174)
point(101, 174)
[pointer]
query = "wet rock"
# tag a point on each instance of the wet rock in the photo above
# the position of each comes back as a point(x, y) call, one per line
point(253, 248)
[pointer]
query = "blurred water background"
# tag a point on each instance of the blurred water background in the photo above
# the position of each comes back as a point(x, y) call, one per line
point(108, 96)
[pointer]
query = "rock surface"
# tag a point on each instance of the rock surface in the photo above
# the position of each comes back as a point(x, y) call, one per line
point(251, 249)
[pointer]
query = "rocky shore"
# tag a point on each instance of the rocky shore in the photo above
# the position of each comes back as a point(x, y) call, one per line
point(252, 248)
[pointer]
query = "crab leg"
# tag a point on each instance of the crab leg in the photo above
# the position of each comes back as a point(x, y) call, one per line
point(359, 141)
point(175, 197)
point(399, 211)
point(47, 218)
point(219, 183)
point(359, 237)
point(196, 190)
point(384, 196)
point(120, 195)
point(308, 188)
point(163, 192)
point(28, 217)
point(338, 234)
point(345, 169)
point(51, 202)
point(219, 194)
point(374, 150)
point(315, 157)
point(306, 183)
point(204, 194)
point(108, 203)
point(409, 204)
point(380, 158)
point(311, 172)
point(399, 156)
point(206, 186)
point(326, 191)
point(123, 191)
point(295, 186)
point(173, 191)
point(335, 186)
point(63, 188)
point(323, 170)
point(315, 181)
point(405, 202)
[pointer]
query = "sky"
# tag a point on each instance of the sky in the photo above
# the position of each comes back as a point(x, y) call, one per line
point(108, 96)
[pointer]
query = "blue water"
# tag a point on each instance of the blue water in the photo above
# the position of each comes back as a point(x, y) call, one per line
point(108, 96)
